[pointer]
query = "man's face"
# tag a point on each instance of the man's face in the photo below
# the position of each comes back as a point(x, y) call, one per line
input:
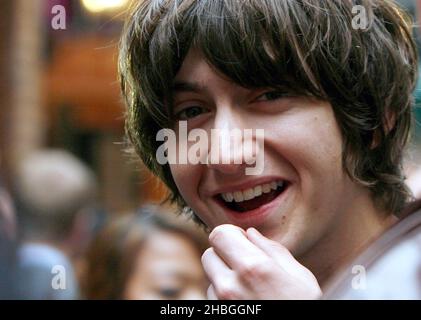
point(302, 188)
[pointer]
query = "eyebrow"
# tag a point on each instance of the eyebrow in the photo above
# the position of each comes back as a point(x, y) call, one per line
point(184, 86)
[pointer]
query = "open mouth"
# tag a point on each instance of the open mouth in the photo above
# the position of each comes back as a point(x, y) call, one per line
point(253, 198)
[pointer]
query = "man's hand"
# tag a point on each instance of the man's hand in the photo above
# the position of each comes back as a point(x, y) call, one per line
point(247, 265)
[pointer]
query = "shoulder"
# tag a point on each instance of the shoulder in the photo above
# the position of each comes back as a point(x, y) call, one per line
point(389, 268)
point(39, 277)
point(40, 255)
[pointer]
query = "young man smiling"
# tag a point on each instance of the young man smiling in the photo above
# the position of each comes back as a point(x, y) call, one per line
point(335, 106)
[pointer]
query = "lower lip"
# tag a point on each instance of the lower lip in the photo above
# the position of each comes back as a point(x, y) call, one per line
point(256, 216)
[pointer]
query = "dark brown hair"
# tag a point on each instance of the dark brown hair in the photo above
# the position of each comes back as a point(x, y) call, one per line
point(307, 46)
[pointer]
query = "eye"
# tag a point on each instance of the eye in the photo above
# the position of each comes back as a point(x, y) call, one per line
point(169, 293)
point(190, 112)
point(273, 95)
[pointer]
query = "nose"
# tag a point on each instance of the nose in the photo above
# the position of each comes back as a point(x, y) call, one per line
point(231, 143)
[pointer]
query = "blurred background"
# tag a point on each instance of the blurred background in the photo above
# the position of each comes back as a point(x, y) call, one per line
point(66, 184)
point(59, 91)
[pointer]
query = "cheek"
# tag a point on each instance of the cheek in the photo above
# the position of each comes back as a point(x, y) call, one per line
point(186, 177)
point(319, 147)
point(310, 142)
point(318, 161)
point(308, 146)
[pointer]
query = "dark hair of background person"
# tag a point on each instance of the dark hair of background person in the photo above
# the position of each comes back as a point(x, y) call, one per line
point(305, 48)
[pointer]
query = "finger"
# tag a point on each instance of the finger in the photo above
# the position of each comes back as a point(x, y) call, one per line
point(211, 293)
point(272, 248)
point(267, 245)
point(215, 268)
point(233, 246)
point(224, 281)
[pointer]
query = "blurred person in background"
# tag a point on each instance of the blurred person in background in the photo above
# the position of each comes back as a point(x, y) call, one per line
point(55, 192)
point(7, 245)
point(145, 256)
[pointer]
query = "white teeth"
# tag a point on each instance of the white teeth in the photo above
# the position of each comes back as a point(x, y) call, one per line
point(248, 194)
point(228, 197)
point(266, 188)
point(238, 196)
point(244, 195)
point(257, 191)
